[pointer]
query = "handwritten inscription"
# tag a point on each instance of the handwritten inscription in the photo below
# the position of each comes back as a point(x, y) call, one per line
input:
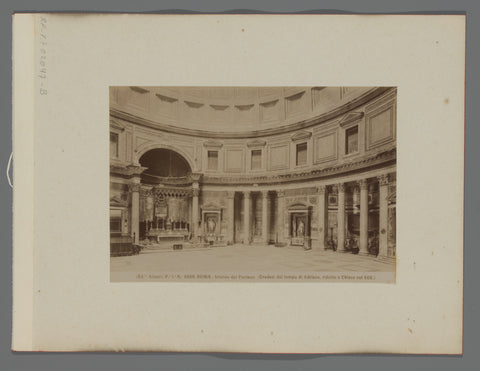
point(42, 57)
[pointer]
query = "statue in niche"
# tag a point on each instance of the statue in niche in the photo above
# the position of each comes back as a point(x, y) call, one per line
point(211, 224)
point(294, 229)
point(301, 229)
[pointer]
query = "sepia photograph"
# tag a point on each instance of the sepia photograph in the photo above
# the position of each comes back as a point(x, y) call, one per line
point(252, 183)
point(229, 183)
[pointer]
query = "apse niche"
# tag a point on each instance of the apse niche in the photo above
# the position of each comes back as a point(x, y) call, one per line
point(163, 163)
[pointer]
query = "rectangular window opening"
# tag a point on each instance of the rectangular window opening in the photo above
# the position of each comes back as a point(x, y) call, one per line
point(212, 160)
point(351, 140)
point(301, 154)
point(256, 159)
point(113, 145)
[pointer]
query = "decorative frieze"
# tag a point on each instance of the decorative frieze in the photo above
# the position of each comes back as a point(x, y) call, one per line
point(380, 158)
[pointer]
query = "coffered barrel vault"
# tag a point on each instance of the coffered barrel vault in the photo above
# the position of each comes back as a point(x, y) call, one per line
point(313, 167)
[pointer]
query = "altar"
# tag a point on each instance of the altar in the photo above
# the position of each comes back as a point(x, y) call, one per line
point(165, 215)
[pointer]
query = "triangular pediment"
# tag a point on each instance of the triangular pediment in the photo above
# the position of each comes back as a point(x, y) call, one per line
point(211, 206)
point(256, 143)
point(298, 207)
point(301, 135)
point(117, 125)
point(117, 201)
point(212, 144)
point(351, 117)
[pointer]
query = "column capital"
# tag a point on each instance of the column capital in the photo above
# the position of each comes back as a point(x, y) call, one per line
point(383, 179)
point(363, 184)
point(280, 192)
point(341, 187)
point(195, 177)
point(144, 193)
point(134, 187)
point(247, 194)
point(321, 189)
point(195, 192)
point(230, 194)
point(265, 193)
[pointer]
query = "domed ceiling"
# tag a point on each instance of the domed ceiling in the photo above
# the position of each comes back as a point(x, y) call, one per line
point(234, 109)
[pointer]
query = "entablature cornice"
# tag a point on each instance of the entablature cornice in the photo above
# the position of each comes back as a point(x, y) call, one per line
point(128, 171)
point(380, 159)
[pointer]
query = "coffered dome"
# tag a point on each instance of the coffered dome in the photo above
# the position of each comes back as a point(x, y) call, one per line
point(236, 110)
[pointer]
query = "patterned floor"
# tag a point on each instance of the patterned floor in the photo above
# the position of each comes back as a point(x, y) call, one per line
point(241, 258)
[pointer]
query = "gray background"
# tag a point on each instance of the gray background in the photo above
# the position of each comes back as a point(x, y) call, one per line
point(215, 361)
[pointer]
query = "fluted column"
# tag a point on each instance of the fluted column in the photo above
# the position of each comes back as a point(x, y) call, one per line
point(383, 215)
point(341, 218)
point(231, 216)
point(135, 191)
point(280, 222)
point(322, 215)
point(246, 217)
point(363, 216)
point(195, 193)
point(265, 217)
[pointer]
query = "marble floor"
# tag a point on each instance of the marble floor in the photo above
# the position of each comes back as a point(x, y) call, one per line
point(242, 258)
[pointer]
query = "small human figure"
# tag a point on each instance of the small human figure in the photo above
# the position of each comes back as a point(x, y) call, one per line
point(301, 228)
point(211, 225)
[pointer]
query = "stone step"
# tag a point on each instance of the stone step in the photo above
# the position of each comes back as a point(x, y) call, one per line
point(386, 259)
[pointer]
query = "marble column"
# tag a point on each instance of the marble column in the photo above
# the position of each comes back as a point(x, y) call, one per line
point(246, 217)
point(341, 218)
point(363, 216)
point(265, 217)
point(195, 194)
point(322, 215)
point(280, 221)
point(231, 216)
point(383, 215)
point(135, 191)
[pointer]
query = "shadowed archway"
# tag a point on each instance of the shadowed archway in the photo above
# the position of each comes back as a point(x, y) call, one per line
point(163, 163)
